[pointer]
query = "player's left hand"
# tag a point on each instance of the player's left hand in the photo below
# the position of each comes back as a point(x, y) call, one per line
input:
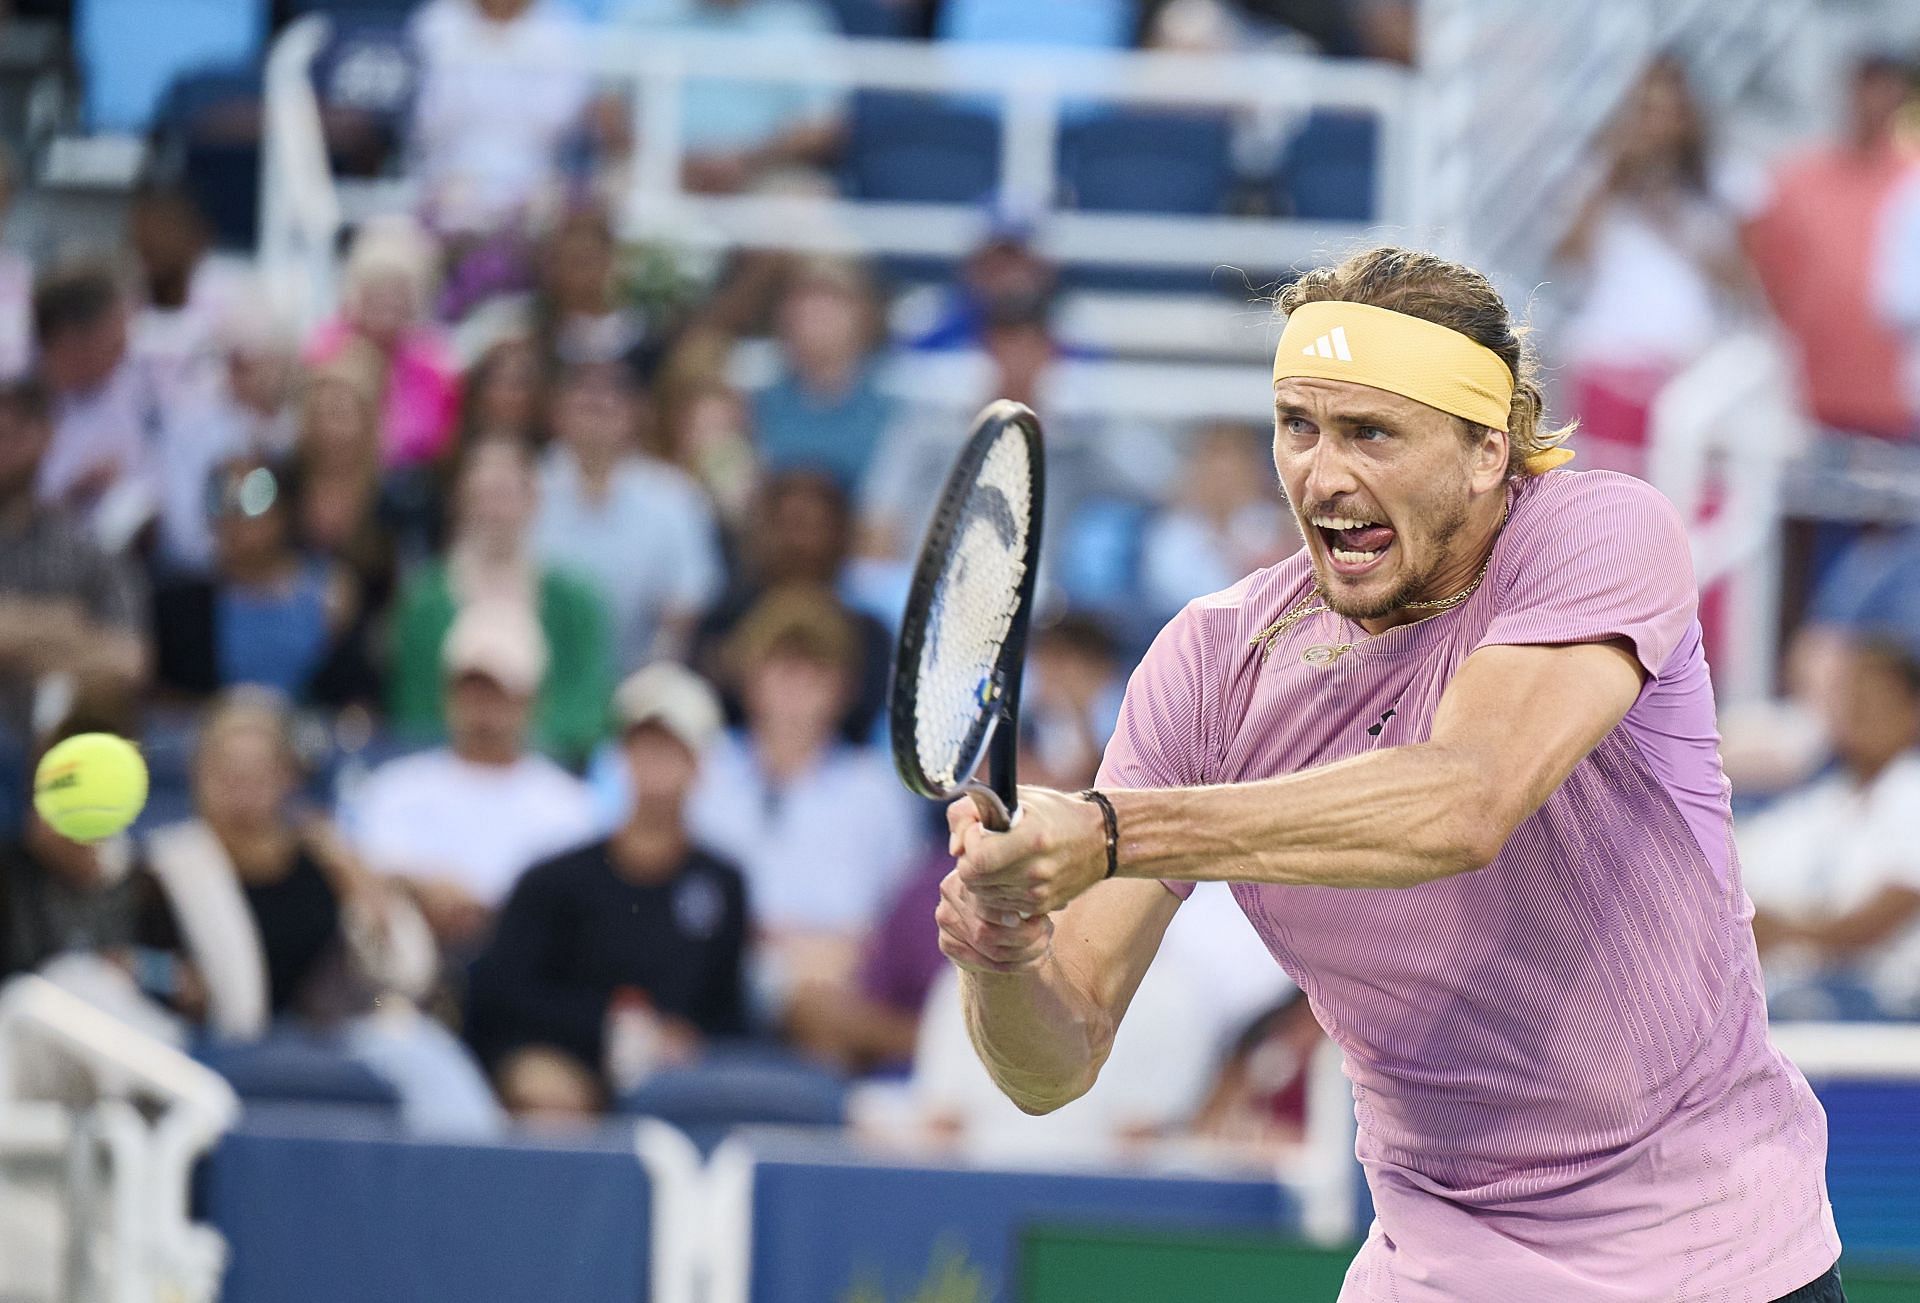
point(1055, 851)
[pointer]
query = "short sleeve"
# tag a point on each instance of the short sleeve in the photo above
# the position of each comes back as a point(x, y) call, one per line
point(1167, 725)
point(1593, 557)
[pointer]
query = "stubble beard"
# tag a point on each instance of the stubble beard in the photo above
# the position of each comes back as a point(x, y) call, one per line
point(1412, 587)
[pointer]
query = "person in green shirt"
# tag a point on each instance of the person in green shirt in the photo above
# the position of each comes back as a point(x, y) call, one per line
point(489, 557)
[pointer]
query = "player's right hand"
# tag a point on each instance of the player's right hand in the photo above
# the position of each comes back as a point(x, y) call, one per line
point(982, 939)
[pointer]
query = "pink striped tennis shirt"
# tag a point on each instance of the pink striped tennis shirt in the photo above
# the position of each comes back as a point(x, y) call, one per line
point(1561, 1068)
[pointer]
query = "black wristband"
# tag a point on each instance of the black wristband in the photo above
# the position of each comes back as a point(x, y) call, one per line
point(1112, 821)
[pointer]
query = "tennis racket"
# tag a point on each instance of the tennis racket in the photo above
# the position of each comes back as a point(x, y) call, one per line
point(963, 640)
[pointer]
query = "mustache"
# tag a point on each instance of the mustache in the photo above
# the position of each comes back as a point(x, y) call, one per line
point(1348, 507)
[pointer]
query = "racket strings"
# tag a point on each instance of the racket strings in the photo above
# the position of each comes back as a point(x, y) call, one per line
point(973, 609)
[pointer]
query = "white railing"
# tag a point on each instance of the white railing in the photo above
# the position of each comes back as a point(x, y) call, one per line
point(153, 1249)
point(1721, 436)
point(305, 208)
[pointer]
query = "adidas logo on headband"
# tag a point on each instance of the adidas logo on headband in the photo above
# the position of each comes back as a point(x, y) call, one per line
point(1331, 344)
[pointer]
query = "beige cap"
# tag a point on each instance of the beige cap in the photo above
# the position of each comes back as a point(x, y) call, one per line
point(676, 699)
point(500, 639)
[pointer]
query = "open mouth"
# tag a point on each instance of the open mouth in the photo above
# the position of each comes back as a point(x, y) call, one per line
point(1354, 545)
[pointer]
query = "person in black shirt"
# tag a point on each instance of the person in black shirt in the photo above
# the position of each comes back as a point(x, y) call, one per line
point(625, 954)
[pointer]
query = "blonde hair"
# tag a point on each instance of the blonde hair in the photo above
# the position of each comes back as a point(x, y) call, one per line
point(1453, 295)
point(250, 708)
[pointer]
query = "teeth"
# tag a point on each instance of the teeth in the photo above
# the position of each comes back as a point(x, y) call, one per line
point(1342, 522)
point(1354, 558)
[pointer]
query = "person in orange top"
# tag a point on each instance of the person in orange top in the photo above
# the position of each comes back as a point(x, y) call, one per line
point(1812, 244)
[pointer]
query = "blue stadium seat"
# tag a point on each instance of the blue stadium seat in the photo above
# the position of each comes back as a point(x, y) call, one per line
point(869, 17)
point(130, 51)
point(356, 10)
point(740, 1086)
point(1328, 170)
point(1148, 162)
point(290, 1066)
point(1102, 24)
point(917, 148)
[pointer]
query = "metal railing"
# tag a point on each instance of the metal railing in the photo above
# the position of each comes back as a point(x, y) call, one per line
point(152, 1247)
point(305, 207)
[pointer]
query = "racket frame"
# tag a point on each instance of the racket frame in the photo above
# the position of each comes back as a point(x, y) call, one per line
point(996, 734)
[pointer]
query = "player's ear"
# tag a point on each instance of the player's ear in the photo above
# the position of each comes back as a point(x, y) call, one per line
point(1487, 457)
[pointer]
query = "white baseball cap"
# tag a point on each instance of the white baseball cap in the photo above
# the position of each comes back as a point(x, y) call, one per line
point(500, 639)
point(673, 697)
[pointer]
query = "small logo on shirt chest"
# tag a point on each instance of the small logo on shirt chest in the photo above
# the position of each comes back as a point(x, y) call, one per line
point(1376, 729)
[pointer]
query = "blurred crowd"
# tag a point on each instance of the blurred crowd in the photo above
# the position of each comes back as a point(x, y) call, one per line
point(512, 675)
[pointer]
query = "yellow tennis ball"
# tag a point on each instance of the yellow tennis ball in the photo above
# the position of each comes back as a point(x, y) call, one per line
point(90, 786)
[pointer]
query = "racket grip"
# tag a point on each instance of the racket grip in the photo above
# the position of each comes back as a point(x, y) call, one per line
point(993, 811)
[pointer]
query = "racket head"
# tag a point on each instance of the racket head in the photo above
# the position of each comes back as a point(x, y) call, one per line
point(963, 637)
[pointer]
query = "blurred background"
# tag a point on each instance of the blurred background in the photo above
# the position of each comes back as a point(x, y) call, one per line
point(477, 447)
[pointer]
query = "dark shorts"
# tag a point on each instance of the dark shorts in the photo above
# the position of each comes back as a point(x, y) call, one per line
point(1825, 1290)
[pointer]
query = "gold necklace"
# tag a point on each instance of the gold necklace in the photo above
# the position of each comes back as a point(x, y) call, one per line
point(1323, 654)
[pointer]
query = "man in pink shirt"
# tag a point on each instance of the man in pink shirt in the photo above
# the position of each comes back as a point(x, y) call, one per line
point(1458, 759)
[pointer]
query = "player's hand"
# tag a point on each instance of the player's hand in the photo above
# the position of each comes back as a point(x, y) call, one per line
point(1056, 850)
point(984, 940)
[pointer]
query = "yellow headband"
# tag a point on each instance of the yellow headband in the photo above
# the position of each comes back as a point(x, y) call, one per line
point(1403, 355)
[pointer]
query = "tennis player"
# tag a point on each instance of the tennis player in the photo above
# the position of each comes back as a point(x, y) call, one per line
point(1457, 757)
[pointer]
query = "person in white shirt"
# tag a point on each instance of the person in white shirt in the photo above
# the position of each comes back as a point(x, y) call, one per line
point(106, 412)
point(821, 829)
point(638, 529)
point(1897, 258)
point(1834, 869)
point(251, 413)
point(503, 83)
point(460, 823)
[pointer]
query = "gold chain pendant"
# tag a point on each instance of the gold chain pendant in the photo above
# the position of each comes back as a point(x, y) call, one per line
point(1323, 654)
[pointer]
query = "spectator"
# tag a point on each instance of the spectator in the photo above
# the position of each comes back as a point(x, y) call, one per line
point(1224, 523)
point(1813, 244)
point(271, 614)
point(388, 285)
point(802, 535)
point(579, 313)
point(1258, 1099)
point(869, 1020)
point(16, 289)
point(174, 333)
point(61, 897)
point(251, 411)
point(645, 926)
point(778, 797)
point(280, 926)
point(341, 508)
point(1834, 869)
point(707, 430)
point(505, 395)
point(105, 413)
point(736, 132)
point(825, 410)
point(634, 526)
point(503, 86)
point(72, 617)
point(1005, 277)
point(491, 557)
point(460, 823)
point(1071, 701)
point(1658, 262)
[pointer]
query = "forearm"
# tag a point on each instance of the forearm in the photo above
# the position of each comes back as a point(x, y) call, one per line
point(1041, 1038)
point(1390, 818)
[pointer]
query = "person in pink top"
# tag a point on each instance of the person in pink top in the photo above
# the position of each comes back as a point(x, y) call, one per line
point(388, 280)
point(1457, 758)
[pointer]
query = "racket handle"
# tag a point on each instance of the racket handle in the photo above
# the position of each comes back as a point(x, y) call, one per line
point(993, 811)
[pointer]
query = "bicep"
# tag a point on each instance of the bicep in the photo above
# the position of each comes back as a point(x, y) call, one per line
point(1105, 940)
point(1522, 716)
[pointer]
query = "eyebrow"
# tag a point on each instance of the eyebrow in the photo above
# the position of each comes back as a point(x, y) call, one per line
point(1346, 418)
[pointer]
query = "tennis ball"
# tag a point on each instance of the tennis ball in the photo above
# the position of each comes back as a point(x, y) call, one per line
point(90, 786)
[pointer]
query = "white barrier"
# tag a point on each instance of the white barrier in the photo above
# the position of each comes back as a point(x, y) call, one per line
point(153, 1249)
